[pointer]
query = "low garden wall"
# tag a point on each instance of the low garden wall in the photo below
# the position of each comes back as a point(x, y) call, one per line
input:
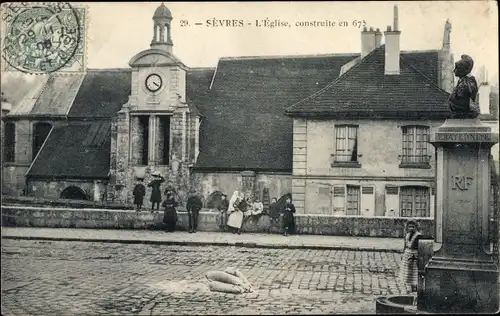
point(35, 216)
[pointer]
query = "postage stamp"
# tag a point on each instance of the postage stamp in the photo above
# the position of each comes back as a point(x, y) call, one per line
point(43, 37)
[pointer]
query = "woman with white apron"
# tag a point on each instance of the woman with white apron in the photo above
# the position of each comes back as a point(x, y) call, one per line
point(235, 218)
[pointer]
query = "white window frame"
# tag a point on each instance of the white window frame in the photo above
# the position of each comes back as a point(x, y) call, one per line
point(346, 145)
point(419, 150)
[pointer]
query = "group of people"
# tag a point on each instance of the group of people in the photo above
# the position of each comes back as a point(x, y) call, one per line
point(170, 203)
point(233, 212)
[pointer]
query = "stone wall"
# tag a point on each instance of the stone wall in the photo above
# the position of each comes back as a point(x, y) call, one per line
point(13, 179)
point(21, 216)
point(207, 183)
point(96, 190)
point(13, 174)
point(379, 149)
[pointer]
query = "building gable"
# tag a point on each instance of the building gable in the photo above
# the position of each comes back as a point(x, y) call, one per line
point(364, 91)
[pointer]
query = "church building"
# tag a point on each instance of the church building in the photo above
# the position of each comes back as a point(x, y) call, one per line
point(344, 134)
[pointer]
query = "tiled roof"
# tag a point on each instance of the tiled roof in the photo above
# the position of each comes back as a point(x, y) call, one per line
point(244, 126)
point(75, 150)
point(102, 93)
point(364, 91)
point(427, 62)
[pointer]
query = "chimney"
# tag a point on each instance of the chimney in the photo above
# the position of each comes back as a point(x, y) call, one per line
point(392, 50)
point(378, 38)
point(484, 92)
point(367, 41)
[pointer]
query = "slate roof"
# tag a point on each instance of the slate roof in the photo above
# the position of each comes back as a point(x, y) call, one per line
point(102, 93)
point(365, 92)
point(244, 125)
point(197, 84)
point(75, 150)
point(80, 148)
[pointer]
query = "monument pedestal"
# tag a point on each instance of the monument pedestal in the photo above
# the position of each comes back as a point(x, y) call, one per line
point(461, 276)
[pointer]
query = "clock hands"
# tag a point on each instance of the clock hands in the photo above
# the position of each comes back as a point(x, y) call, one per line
point(156, 84)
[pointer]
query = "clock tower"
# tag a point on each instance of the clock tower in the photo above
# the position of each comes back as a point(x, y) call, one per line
point(154, 129)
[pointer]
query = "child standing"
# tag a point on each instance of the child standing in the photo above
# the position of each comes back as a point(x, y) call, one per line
point(139, 193)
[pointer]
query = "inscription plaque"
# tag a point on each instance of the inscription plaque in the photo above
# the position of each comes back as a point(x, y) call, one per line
point(463, 137)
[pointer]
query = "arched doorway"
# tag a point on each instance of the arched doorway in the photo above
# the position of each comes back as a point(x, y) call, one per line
point(40, 132)
point(213, 200)
point(74, 193)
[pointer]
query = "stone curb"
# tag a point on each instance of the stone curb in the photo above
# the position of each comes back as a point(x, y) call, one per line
point(208, 243)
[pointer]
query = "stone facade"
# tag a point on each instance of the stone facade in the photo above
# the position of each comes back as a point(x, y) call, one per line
point(278, 184)
point(166, 114)
point(14, 173)
point(316, 175)
point(95, 190)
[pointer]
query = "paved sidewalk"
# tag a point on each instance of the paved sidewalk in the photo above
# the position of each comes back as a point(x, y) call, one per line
point(206, 238)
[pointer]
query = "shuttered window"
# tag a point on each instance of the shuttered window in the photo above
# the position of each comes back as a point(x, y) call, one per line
point(339, 200)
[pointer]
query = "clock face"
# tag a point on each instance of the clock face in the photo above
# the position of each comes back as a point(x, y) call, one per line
point(153, 82)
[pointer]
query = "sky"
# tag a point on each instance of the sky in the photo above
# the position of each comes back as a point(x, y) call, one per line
point(118, 31)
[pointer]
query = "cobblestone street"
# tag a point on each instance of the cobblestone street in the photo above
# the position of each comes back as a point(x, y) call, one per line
point(56, 277)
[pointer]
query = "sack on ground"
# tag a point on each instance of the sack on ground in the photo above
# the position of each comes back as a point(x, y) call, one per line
point(241, 277)
point(217, 286)
point(231, 271)
point(223, 277)
point(245, 284)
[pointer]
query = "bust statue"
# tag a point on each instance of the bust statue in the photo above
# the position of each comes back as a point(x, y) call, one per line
point(465, 90)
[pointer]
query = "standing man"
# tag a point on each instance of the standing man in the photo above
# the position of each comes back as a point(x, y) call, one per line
point(156, 192)
point(193, 206)
point(223, 206)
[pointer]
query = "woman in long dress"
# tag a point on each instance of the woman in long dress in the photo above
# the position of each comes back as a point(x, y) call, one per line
point(235, 218)
point(170, 213)
point(288, 220)
point(408, 272)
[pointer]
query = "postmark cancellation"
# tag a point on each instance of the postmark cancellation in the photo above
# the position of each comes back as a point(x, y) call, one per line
point(45, 37)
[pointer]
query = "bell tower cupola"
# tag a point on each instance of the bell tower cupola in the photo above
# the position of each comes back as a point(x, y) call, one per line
point(162, 22)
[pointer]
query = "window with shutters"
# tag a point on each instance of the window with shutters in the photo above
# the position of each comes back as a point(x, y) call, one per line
point(416, 150)
point(414, 201)
point(339, 199)
point(9, 142)
point(353, 200)
point(346, 146)
point(324, 203)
